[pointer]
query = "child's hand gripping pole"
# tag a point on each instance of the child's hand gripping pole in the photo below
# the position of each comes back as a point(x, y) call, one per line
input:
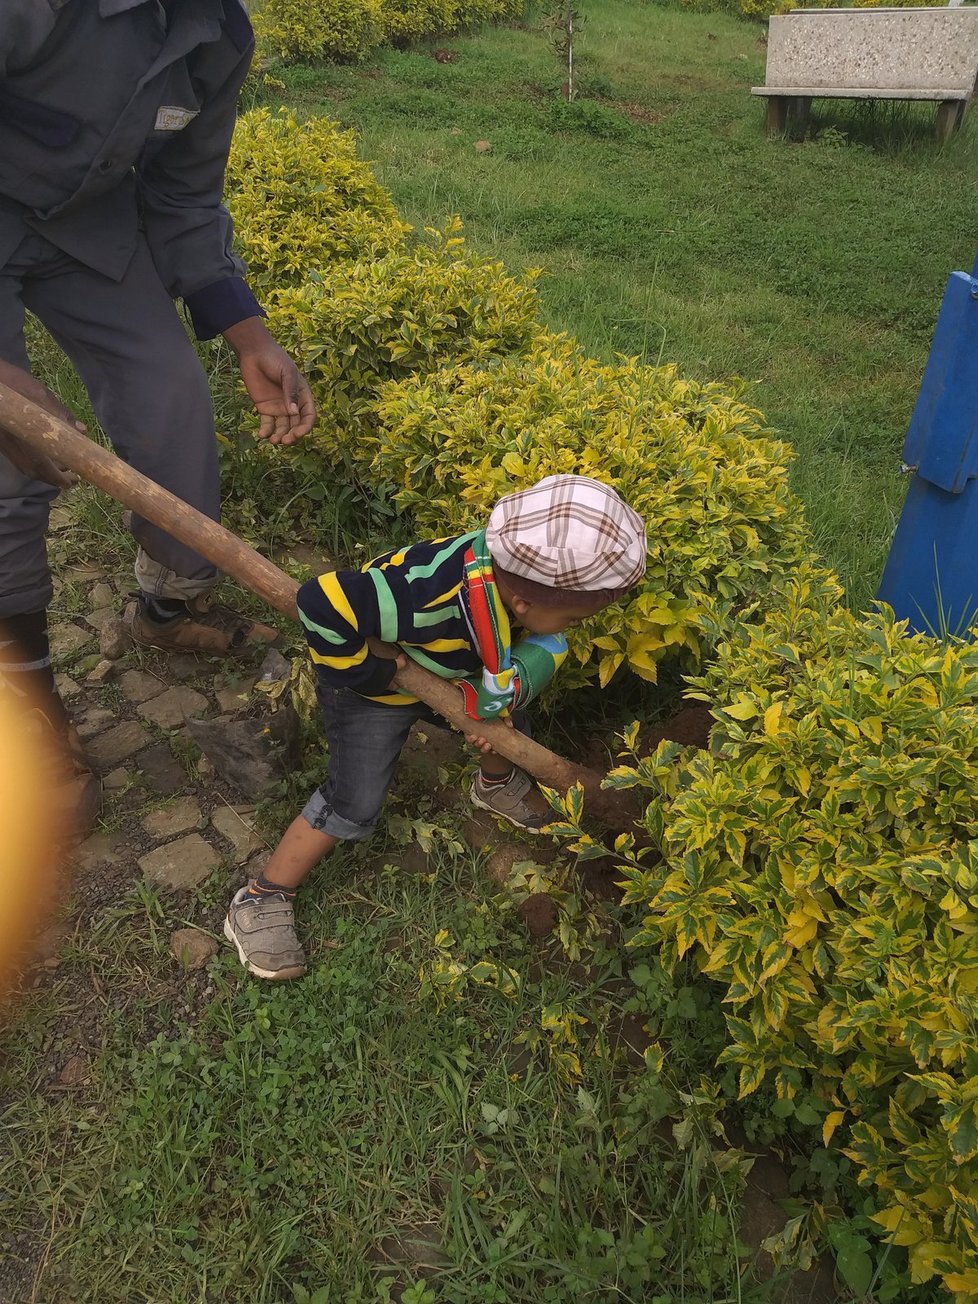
point(53, 438)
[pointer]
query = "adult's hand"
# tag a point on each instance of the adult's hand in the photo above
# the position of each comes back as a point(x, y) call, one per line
point(33, 463)
point(278, 389)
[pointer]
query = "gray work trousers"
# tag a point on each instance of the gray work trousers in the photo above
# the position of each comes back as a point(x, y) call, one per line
point(149, 392)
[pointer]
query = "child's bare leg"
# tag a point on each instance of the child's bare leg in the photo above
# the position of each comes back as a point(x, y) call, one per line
point(302, 848)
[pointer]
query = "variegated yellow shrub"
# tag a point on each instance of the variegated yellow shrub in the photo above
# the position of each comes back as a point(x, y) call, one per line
point(318, 29)
point(350, 29)
point(405, 20)
point(359, 324)
point(694, 460)
point(820, 863)
point(302, 201)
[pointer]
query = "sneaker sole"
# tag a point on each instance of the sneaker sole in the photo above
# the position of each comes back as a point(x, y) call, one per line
point(484, 805)
point(276, 975)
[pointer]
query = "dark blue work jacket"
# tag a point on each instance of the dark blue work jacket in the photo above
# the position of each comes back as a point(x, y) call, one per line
point(116, 116)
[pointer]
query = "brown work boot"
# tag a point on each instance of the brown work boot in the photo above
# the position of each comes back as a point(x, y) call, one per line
point(207, 627)
point(73, 791)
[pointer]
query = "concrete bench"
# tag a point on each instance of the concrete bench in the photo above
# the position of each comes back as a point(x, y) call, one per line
point(871, 54)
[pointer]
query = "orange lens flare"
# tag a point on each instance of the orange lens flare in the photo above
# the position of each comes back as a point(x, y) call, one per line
point(28, 841)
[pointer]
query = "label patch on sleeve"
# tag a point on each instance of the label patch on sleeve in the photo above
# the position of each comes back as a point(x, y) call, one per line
point(169, 117)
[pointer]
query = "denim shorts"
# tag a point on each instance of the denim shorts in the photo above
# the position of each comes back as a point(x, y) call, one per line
point(365, 740)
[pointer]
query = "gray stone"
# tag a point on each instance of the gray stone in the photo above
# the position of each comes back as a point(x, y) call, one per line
point(233, 697)
point(98, 850)
point(140, 686)
point(118, 744)
point(100, 618)
point(84, 572)
point(191, 948)
point(94, 721)
point(102, 595)
point(181, 865)
point(274, 666)
point(101, 672)
point(66, 639)
point(181, 815)
point(67, 688)
point(238, 830)
point(251, 753)
point(184, 665)
point(76, 1072)
point(114, 640)
point(171, 708)
point(119, 778)
point(161, 770)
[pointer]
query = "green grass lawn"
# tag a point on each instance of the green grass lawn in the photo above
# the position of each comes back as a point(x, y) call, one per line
point(344, 1139)
point(668, 225)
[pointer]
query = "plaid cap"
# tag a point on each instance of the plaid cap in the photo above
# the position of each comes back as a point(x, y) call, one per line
point(569, 537)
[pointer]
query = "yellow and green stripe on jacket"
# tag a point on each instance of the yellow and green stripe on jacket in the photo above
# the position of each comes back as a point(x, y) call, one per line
point(411, 597)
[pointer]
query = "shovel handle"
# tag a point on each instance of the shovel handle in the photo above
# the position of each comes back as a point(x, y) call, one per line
point(65, 446)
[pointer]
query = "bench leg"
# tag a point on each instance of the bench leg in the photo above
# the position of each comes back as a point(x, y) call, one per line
point(801, 112)
point(950, 115)
point(777, 114)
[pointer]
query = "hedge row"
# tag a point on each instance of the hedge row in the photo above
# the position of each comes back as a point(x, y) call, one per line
point(820, 863)
point(350, 29)
point(438, 384)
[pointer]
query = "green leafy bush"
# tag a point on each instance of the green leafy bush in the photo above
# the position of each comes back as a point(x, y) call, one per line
point(406, 20)
point(359, 324)
point(820, 863)
point(318, 29)
point(302, 201)
point(350, 29)
point(692, 459)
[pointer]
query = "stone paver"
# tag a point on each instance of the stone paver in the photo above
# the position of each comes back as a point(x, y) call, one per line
point(118, 744)
point(171, 708)
point(66, 639)
point(99, 849)
point(233, 697)
point(185, 665)
point(238, 830)
point(101, 617)
point(117, 780)
point(103, 671)
point(94, 721)
point(191, 948)
point(182, 865)
point(178, 817)
point(67, 688)
point(139, 686)
point(161, 770)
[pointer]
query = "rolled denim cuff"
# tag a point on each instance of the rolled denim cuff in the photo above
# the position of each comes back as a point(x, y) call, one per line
point(321, 816)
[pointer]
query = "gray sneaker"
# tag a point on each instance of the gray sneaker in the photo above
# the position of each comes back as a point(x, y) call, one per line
point(518, 800)
point(264, 933)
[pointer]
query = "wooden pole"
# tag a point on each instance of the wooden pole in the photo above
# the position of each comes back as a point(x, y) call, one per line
point(66, 447)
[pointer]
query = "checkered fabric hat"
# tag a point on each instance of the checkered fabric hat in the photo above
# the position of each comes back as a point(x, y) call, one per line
point(567, 538)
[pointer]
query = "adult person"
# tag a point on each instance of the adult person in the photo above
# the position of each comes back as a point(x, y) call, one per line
point(116, 119)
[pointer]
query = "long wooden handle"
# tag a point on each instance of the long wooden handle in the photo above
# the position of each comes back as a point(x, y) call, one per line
point(65, 446)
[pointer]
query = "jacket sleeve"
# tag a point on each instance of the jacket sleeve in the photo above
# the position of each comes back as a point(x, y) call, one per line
point(339, 612)
point(181, 184)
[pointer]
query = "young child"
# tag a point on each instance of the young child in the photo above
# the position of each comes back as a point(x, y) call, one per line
point(550, 556)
